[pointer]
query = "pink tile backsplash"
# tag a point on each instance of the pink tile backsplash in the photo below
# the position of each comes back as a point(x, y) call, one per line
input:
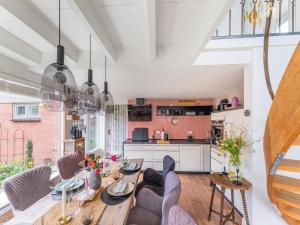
point(199, 125)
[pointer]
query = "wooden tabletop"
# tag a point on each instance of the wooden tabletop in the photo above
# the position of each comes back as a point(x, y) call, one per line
point(224, 181)
point(109, 215)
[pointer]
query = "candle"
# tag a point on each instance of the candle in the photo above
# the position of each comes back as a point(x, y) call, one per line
point(86, 185)
point(64, 201)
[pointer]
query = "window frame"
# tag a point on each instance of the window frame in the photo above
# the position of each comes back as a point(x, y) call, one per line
point(28, 116)
point(99, 133)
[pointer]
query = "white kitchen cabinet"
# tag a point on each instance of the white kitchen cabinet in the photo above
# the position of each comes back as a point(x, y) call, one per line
point(188, 157)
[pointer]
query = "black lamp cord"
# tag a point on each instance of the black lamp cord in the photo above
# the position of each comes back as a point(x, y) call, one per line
point(105, 68)
point(90, 51)
point(59, 22)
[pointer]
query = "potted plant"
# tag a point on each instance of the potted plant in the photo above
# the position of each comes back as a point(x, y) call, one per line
point(232, 144)
point(95, 174)
point(29, 158)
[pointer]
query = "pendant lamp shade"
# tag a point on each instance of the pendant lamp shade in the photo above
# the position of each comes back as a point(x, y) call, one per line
point(89, 93)
point(107, 101)
point(58, 86)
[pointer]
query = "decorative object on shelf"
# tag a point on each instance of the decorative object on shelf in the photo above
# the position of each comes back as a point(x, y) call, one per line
point(58, 86)
point(162, 134)
point(95, 176)
point(235, 102)
point(175, 120)
point(89, 100)
point(107, 101)
point(190, 135)
point(232, 143)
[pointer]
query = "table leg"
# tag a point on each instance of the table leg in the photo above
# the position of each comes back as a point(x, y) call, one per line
point(222, 205)
point(245, 207)
point(232, 205)
point(211, 201)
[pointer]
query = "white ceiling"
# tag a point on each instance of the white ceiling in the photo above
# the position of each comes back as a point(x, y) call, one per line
point(151, 45)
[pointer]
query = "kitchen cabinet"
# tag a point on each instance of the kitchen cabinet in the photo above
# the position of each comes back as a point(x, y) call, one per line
point(188, 157)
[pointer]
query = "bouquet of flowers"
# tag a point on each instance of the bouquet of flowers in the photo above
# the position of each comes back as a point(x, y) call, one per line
point(93, 163)
point(233, 142)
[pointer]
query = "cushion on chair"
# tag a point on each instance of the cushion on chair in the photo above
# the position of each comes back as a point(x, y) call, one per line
point(140, 216)
point(68, 165)
point(178, 216)
point(24, 189)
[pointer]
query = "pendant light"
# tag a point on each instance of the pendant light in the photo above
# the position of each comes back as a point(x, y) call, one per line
point(107, 101)
point(58, 86)
point(90, 95)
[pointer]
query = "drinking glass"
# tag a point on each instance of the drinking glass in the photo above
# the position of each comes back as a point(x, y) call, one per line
point(115, 172)
point(86, 214)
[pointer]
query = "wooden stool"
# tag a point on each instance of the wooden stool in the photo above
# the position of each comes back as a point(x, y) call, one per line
point(225, 183)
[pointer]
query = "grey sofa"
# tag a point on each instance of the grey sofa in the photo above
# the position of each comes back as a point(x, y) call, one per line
point(68, 165)
point(24, 189)
point(178, 216)
point(151, 208)
point(155, 180)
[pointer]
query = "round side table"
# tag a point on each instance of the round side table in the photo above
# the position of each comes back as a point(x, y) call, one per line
point(224, 182)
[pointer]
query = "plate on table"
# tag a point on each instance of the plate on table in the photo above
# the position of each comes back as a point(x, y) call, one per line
point(129, 168)
point(111, 189)
point(71, 184)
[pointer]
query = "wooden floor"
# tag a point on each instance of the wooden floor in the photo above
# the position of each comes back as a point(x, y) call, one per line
point(195, 198)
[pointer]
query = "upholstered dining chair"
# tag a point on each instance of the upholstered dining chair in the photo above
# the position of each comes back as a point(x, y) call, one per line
point(178, 216)
point(26, 188)
point(68, 165)
point(155, 180)
point(153, 209)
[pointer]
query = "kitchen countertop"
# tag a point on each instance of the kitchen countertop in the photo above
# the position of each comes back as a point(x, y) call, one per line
point(172, 141)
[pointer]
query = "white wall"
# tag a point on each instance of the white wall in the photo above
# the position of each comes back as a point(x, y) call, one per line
point(262, 210)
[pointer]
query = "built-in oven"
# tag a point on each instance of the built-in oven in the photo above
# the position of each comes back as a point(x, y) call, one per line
point(217, 130)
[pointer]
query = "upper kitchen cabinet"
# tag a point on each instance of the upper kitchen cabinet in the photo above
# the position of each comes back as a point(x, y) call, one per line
point(184, 110)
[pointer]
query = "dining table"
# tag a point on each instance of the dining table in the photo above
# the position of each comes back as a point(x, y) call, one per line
point(46, 211)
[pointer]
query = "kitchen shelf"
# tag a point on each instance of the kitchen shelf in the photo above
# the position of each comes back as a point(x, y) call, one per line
point(229, 109)
point(184, 110)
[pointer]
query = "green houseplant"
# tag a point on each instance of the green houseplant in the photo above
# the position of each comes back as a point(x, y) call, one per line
point(232, 144)
point(29, 158)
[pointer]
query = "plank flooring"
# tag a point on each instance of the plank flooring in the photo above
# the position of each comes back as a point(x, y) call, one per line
point(195, 198)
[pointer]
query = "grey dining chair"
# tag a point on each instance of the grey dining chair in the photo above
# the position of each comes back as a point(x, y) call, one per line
point(178, 216)
point(153, 209)
point(155, 180)
point(68, 165)
point(26, 188)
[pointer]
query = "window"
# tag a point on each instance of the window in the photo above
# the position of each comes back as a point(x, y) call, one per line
point(94, 132)
point(26, 111)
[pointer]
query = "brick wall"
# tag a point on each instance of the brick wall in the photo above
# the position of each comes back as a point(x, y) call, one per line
point(45, 135)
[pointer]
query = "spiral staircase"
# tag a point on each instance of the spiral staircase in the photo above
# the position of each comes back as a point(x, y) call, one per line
point(282, 132)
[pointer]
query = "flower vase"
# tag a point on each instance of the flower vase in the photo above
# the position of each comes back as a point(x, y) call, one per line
point(94, 180)
point(235, 175)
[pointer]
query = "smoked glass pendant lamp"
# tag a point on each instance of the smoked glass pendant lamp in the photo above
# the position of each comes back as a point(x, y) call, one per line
point(58, 87)
point(89, 100)
point(107, 101)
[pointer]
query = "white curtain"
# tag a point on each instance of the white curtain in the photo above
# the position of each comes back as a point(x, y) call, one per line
point(116, 129)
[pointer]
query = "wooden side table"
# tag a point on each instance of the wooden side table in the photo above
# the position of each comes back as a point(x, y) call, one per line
point(225, 183)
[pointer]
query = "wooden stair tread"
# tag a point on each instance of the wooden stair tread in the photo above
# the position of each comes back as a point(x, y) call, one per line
point(288, 198)
point(290, 165)
point(297, 141)
point(291, 212)
point(287, 183)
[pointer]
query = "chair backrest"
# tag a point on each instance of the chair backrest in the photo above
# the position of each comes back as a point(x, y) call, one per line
point(168, 165)
point(171, 195)
point(24, 189)
point(68, 165)
point(178, 216)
